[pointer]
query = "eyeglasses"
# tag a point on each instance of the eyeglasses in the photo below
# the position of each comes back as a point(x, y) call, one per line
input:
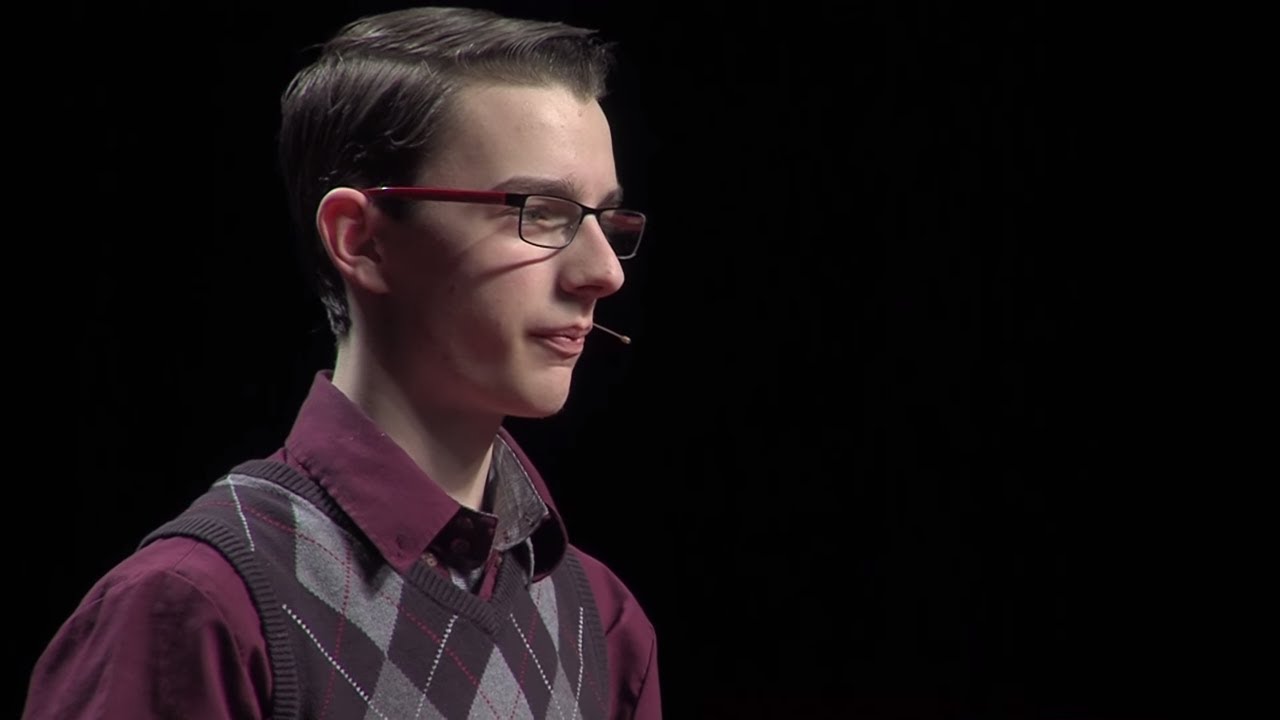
point(545, 220)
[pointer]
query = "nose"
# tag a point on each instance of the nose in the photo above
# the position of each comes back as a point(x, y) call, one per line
point(592, 268)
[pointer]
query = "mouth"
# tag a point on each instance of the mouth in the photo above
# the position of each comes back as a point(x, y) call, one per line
point(565, 342)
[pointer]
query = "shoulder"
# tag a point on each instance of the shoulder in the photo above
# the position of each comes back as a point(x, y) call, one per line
point(172, 577)
point(176, 566)
point(196, 563)
point(613, 598)
point(630, 641)
point(171, 623)
point(629, 634)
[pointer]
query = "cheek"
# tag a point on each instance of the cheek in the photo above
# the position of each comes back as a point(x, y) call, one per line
point(483, 301)
point(475, 317)
point(508, 294)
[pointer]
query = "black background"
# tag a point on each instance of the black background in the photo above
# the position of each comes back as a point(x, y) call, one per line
point(888, 443)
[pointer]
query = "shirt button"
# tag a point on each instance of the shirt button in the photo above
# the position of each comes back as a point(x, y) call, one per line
point(429, 558)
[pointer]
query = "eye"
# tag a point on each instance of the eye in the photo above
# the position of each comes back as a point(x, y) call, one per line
point(550, 213)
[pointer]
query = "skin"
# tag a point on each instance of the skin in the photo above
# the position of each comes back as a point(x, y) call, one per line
point(451, 310)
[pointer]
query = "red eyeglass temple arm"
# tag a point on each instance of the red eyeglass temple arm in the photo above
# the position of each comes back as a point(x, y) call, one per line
point(487, 197)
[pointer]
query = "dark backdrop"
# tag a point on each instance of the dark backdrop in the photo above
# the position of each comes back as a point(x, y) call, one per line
point(883, 444)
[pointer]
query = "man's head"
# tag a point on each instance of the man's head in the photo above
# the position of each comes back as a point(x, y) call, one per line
point(372, 108)
point(451, 295)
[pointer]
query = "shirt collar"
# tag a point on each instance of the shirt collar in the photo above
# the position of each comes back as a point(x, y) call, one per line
point(400, 509)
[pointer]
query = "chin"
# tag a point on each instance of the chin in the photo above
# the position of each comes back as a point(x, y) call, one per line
point(535, 392)
point(540, 402)
point(542, 407)
point(536, 412)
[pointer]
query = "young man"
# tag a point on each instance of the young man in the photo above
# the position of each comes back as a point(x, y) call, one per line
point(399, 557)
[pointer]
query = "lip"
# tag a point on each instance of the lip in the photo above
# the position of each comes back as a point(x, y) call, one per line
point(565, 342)
point(576, 331)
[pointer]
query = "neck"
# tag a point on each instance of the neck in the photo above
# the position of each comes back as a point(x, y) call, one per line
point(452, 447)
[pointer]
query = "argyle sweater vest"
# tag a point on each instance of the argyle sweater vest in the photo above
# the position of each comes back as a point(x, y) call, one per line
point(349, 637)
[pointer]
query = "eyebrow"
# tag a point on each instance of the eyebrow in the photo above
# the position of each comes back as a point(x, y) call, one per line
point(527, 184)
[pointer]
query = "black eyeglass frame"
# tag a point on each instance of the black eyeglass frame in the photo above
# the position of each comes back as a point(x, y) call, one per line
point(607, 216)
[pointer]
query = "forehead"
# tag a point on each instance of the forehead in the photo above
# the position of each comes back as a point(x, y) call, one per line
point(500, 131)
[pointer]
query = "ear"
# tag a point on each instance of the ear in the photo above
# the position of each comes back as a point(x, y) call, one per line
point(344, 221)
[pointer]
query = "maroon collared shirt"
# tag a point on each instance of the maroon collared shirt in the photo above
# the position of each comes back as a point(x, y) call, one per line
point(172, 632)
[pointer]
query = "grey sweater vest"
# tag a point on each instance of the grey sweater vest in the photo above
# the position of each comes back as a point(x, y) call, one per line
point(349, 637)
